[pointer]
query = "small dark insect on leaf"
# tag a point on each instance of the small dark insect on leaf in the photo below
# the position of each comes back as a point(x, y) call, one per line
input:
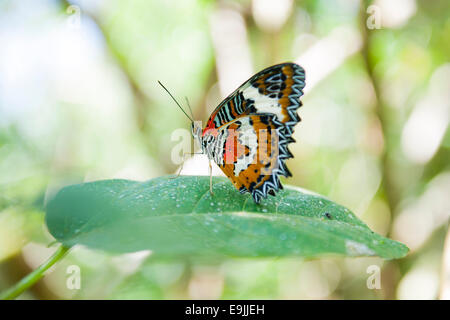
point(328, 215)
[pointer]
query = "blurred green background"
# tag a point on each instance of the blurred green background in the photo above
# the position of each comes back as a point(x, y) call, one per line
point(79, 101)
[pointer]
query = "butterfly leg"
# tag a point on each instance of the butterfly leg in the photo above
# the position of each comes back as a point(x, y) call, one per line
point(210, 179)
point(182, 164)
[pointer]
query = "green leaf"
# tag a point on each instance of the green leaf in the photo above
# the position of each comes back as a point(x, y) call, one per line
point(180, 217)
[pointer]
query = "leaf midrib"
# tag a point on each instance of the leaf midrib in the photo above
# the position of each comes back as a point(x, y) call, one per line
point(246, 214)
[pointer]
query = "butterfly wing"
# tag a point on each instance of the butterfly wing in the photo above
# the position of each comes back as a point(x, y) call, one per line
point(253, 127)
point(275, 90)
point(251, 151)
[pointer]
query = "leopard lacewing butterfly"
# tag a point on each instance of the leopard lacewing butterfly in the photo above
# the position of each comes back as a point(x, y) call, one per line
point(248, 134)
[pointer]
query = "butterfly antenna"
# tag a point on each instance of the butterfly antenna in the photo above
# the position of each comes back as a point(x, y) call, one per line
point(189, 106)
point(179, 106)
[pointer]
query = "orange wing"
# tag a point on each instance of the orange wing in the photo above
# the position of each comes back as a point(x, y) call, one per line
point(276, 90)
point(251, 152)
point(253, 126)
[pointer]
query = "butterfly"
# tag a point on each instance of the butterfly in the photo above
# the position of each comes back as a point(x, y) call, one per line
point(248, 134)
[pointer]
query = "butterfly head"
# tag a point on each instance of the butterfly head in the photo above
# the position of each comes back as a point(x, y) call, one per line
point(196, 129)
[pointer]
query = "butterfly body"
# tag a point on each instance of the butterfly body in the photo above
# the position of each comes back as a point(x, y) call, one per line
point(248, 133)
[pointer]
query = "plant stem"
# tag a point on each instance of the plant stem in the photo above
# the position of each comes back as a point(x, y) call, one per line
point(34, 276)
point(387, 182)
